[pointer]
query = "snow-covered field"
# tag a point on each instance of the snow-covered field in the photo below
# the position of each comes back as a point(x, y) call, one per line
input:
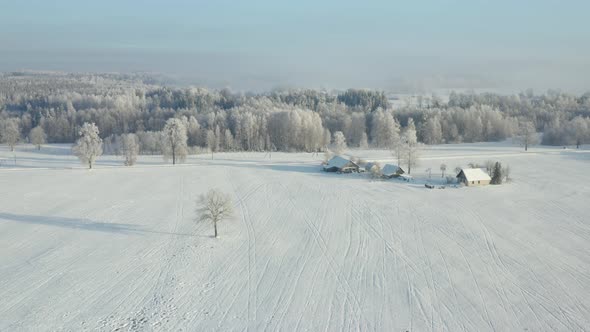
point(117, 248)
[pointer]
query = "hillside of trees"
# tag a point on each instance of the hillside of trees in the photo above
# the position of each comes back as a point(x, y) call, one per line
point(294, 120)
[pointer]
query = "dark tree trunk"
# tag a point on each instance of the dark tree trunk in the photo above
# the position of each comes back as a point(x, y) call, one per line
point(215, 227)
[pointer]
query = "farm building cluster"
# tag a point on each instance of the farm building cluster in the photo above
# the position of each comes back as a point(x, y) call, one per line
point(340, 164)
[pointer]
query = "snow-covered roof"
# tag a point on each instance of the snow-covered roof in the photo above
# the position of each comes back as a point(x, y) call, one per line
point(475, 174)
point(338, 162)
point(390, 169)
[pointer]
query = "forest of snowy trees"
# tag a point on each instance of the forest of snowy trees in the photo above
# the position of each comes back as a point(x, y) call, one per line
point(50, 107)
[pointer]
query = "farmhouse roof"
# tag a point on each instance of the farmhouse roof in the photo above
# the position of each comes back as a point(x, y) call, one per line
point(338, 162)
point(475, 174)
point(390, 169)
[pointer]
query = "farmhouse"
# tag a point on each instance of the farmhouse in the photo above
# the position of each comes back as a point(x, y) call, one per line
point(474, 177)
point(341, 165)
point(391, 171)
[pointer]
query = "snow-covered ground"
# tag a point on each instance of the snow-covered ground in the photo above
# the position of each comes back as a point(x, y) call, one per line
point(117, 248)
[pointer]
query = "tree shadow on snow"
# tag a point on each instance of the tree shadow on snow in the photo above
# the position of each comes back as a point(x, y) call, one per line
point(84, 224)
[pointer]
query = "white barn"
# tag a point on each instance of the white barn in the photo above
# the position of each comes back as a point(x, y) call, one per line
point(474, 177)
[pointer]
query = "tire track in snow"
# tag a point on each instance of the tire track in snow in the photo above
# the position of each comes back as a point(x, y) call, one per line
point(252, 294)
point(334, 267)
point(499, 263)
point(370, 229)
point(483, 302)
point(160, 307)
point(453, 287)
point(412, 291)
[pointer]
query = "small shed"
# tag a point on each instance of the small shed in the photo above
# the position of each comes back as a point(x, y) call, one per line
point(391, 171)
point(341, 165)
point(474, 177)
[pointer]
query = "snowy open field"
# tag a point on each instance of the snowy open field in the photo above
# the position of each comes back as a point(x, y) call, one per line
point(117, 248)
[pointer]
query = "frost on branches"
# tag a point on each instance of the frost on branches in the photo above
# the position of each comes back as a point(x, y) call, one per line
point(175, 134)
point(89, 146)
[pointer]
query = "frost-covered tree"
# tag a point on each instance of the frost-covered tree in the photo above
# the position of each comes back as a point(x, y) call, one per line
point(218, 139)
point(214, 207)
point(364, 143)
point(339, 142)
point(432, 131)
point(385, 130)
point(376, 171)
point(411, 145)
point(211, 142)
point(130, 148)
point(326, 139)
point(150, 141)
point(527, 135)
point(37, 136)
point(193, 131)
point(176, 140)
point(228, 140)
point(9, 132)
point(580, 130)
point(328, 154)
point(89, 145)
point(357, 130)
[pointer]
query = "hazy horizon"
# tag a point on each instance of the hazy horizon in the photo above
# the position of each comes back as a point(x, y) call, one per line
point(261, 45)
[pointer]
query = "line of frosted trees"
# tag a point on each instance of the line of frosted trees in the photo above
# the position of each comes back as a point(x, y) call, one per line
point(51, 108)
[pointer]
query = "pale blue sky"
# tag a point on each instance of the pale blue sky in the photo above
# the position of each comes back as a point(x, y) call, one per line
point(335, 44)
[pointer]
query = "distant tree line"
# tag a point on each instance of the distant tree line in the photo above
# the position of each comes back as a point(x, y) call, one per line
point(52, 108)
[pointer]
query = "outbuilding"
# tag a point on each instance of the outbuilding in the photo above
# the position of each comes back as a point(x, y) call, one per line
point(341, 165)
point(474, 177)
point(391, 171)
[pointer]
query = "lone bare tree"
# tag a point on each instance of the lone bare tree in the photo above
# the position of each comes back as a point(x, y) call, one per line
point(89, 145)
point(215, 206)
point(37, 136)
